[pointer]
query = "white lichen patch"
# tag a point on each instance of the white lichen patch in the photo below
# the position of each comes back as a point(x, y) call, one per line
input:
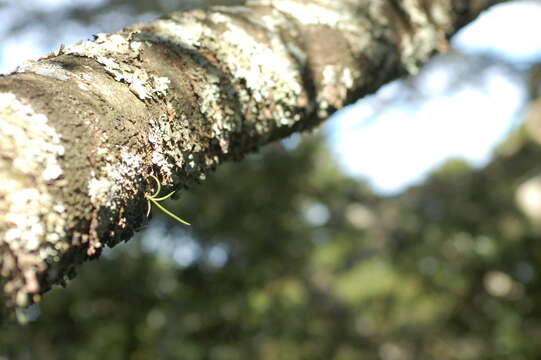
point(186, 31)
point(333, 14)
point(417, 46)
point(313, 13)
point(335, 83)
point(32, 220)
point(99, 190)
point(440, 11)
point(216, 111)
point(266, 66)
point(50, 69)
point(119, 54)
point(34, 145)
point(419, 43)
point(115, 177)
point(416, 49)
point(164, 135)
point(264, 81)
point(266, 69)
point(362, 22)
point(341, 19)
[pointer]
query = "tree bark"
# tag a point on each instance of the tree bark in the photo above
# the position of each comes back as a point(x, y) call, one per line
point(82, 130)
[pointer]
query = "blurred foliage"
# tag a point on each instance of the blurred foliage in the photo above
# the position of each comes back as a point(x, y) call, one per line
point(288, 258)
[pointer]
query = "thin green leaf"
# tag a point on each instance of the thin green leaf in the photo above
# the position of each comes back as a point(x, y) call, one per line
point(164, 197)
point(159, 186)
point(169, 212)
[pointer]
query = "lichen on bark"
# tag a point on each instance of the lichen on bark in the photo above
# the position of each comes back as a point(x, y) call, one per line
point(34, 220)
point(173, 98)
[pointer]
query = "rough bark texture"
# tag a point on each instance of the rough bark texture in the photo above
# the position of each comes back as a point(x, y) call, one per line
point(81, 131)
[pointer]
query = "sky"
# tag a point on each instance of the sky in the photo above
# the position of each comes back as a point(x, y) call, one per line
point(383, 138)
point(397, 146)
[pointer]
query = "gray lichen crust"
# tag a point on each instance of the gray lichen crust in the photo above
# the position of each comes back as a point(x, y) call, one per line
point(83, 130)
point(117, 54)
point(32, 221)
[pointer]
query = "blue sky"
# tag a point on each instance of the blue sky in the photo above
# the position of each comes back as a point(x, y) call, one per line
point(397, 145)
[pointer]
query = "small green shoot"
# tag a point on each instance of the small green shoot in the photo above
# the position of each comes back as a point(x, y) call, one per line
point(156, 201)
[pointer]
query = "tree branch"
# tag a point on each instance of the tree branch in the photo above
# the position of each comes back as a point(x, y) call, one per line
point(83, 130)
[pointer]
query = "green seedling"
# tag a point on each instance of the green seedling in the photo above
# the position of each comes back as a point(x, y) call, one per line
point(156, 201)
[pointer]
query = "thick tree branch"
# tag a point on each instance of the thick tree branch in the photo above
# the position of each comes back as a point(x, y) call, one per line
point(82, 131)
